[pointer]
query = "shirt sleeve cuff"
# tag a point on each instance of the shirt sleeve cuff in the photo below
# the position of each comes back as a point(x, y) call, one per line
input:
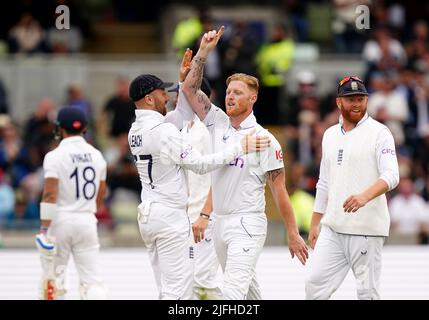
point(391, 180)
point(321, 201)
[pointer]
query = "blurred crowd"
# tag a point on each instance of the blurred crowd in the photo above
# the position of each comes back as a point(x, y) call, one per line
point(396, 53)
point(22, 150)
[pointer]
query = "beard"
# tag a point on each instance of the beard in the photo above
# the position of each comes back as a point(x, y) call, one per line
point(352, 117)
point(236, 110)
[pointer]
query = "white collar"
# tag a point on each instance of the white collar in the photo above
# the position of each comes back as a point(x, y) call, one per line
point(151, 114)
point(247, 123)
point(71, 139)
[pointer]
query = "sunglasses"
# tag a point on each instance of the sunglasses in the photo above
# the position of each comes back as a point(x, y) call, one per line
point(347, 79)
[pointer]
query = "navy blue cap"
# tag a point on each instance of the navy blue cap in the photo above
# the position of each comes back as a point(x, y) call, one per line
point(72, 119)
point(350, 86)
point(145, 84)
point(205, 87)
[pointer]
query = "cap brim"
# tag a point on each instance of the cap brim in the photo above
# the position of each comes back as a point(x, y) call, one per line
point(174, 89)
point(353, 94)
point(166, 85)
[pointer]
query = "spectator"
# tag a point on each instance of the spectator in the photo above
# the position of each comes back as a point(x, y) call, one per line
point(302, 118)
point(4, 108)
point(39, 131)
point(384, 53)
point(409, 212)
point(388, 105)
point(189, 30)
point(348, 39)
point(76, 99)
point(421, 156)
point(417, 93)
point(26, 213)
point(7, 199)
point(27, 36)
point(273, 61)
point(296, 11)
point(119, 110)
point(65, 40)
point(14, 156)
point(240, 50)
point(417, 48)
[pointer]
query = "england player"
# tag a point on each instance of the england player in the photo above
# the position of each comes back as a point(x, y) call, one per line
point(74, 187)
point(238, 189)
point(358, 167)
point(161, 155)
point(206, 263)
point(196, 134)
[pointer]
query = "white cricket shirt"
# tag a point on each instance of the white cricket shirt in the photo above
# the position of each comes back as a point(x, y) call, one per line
point(352, 162)
point(240, 186)
point(79, 168)
point(161, 152)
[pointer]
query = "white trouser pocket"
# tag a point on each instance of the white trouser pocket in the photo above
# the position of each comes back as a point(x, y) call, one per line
point(144, 211)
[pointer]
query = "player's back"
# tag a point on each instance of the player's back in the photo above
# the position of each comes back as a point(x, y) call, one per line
point(79, 167)
point(162, 181)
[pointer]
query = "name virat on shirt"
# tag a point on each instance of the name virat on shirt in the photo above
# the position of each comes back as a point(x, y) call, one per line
point(81, 157)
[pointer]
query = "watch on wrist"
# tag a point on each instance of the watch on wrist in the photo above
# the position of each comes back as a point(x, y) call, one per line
point(205, 216)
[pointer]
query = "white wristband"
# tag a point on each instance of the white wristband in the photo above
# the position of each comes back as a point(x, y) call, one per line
point(47, 210)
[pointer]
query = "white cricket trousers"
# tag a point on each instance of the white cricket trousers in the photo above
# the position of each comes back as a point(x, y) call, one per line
point(335, 254)
point(239, 239)
point(76, 234)
point(166, 233)
point(206, 263)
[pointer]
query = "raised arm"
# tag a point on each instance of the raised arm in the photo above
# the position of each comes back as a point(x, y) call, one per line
point(182, 114)
point(197, 99)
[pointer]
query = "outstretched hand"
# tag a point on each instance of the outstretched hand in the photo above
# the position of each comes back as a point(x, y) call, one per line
point(251, 143)
point(211, 38)
point(185, 66)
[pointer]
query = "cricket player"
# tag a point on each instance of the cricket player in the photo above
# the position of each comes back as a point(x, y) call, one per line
point(238, 189)
point(196, 134)
point(161, 156)
point(74, 187)
point(358, 167)
point(206, 264)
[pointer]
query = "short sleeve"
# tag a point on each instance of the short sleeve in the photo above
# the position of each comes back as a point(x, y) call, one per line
point(272, 158)
point(103, 168)
point(50, 166)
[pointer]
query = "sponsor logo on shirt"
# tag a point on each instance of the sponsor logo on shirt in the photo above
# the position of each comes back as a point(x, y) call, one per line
point(237, 162)
point(279, 154)
point(187, 151)
point(388, 151)
point(340, 156)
